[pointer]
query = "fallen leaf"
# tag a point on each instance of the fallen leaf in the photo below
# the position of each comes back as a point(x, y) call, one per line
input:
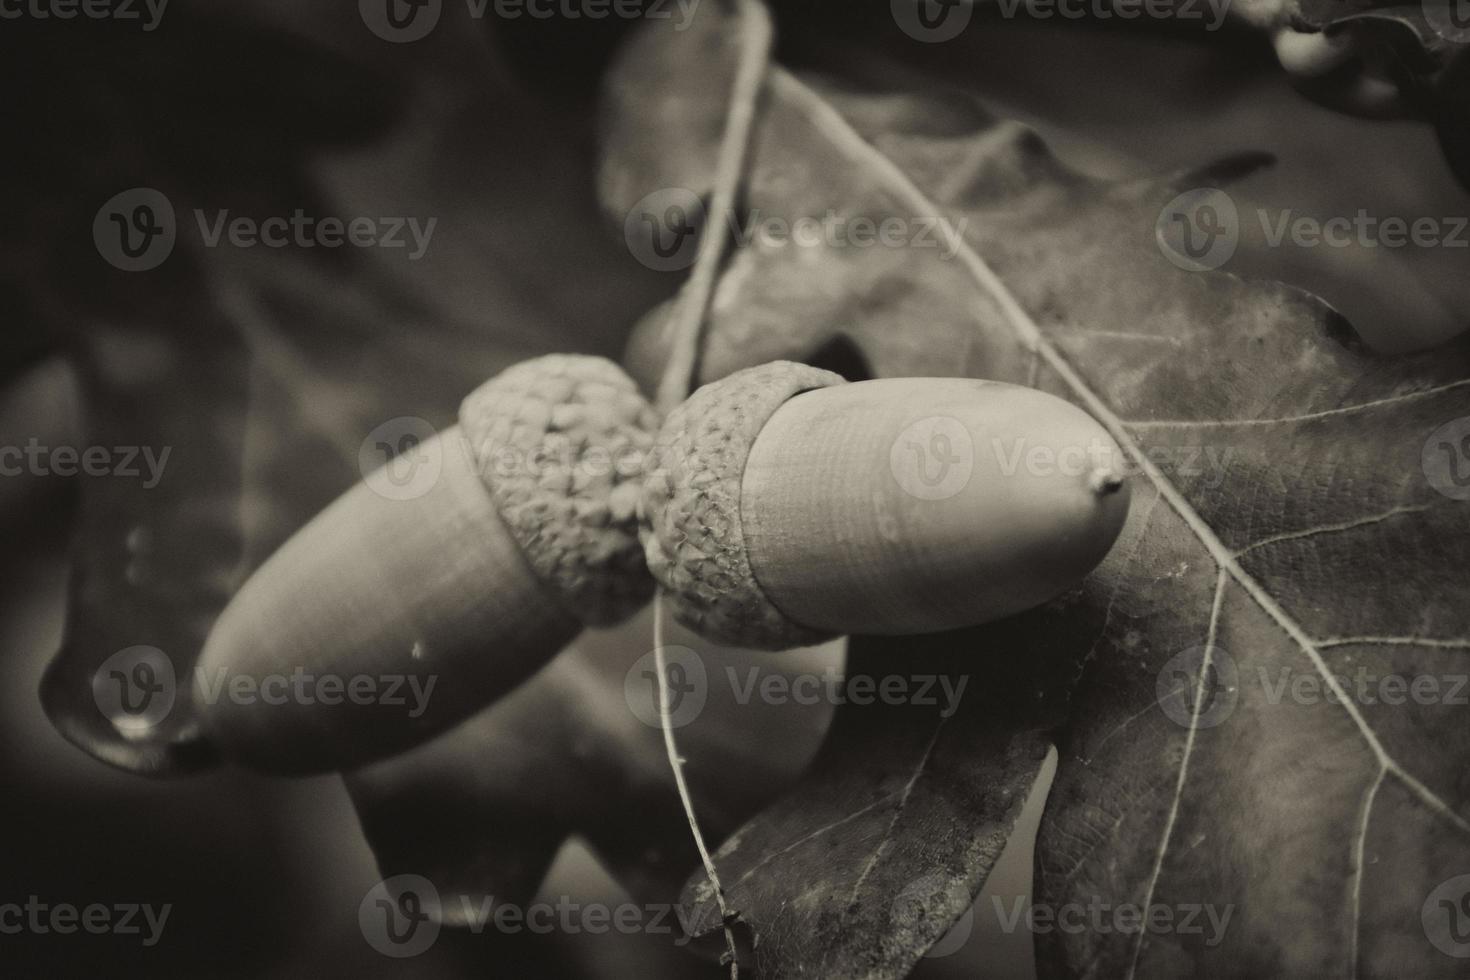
point(1294, 510)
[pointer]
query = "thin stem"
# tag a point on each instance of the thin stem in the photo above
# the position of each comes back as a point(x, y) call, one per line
point(665, 718)
point(690, 310)
point(694, 297)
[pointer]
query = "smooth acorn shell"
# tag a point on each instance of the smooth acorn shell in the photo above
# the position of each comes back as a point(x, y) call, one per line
point(433, 588)
point(914, 505)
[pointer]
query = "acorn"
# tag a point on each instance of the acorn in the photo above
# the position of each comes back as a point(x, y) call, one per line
point(384, 621)
point(787, 506)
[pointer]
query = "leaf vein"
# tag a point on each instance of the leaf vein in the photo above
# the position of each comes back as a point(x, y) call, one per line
point(1333, 528)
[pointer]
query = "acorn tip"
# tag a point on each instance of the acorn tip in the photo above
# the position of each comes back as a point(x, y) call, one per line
point(1105, 480)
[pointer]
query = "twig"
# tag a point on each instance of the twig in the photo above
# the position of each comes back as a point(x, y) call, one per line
point(666, 723)
point(679, 374)
point(693, 300)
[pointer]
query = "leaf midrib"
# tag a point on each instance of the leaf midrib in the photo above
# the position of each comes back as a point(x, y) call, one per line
point(831, 124)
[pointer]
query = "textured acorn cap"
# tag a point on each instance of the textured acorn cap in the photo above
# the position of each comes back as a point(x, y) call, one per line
point(693, 538)
point(561, 442)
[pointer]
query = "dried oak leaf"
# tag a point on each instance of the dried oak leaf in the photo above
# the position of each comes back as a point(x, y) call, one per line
point(1294, 515)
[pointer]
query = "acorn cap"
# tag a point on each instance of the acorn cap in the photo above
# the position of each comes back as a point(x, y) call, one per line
point(560, 442)
point(693, 538)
